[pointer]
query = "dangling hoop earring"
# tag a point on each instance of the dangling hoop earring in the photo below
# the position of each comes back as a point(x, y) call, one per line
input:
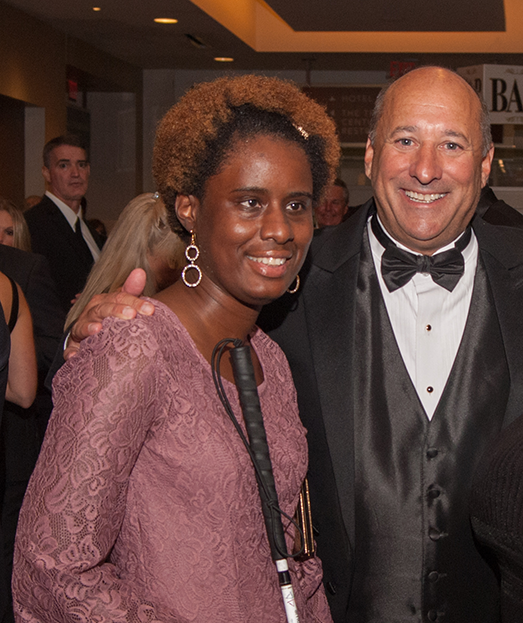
point(192, 253)
point(296, 287)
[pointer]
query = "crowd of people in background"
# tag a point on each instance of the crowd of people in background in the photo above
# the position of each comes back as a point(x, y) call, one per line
point(140, 238)
point(399, 329)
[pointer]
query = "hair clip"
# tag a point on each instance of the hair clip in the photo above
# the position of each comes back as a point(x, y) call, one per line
point(303, 132)
point(156, 196)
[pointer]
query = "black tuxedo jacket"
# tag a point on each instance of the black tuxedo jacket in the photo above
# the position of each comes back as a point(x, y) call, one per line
point(315, 328)
point(53, 237)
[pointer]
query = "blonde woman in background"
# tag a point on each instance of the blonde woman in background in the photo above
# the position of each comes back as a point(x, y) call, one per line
point(141, 238)
point(13, 227)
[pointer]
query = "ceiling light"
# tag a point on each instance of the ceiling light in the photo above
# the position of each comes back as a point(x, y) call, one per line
point(97, 8)
point(223, 59)
point(165, 20)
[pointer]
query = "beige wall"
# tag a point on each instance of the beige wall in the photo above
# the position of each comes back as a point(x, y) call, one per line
point(34, 58)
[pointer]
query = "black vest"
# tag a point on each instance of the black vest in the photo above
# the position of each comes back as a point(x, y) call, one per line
point(415, 555)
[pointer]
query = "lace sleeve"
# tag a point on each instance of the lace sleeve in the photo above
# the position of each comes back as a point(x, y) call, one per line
point(105, 404)
point(309, 574)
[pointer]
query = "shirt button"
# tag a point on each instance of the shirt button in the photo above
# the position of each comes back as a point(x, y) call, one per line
point(428, 327)
point(432, 615)
point(433, 493)
point(430, 389)
point(434, 535)
point(433, 576)
point(432, 453)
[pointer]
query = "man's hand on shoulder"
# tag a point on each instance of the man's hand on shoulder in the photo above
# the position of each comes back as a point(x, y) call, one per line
point(123, 304)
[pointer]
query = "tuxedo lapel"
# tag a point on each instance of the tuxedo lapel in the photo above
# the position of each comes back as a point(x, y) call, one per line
point(329, 309)
point(503, 259)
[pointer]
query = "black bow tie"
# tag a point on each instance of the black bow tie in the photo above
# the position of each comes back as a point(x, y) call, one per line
point(399, 266)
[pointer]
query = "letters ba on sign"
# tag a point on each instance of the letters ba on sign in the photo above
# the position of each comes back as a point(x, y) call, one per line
point(350, 107)
point(502, 89)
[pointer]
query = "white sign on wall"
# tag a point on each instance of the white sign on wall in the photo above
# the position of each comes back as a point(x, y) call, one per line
point(502, 89)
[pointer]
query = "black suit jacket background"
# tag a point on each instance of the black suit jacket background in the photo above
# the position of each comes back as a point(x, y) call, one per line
point(53, 237)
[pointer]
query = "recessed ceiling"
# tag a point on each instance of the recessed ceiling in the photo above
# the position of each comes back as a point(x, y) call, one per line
point(390, 16)
point(125, 29)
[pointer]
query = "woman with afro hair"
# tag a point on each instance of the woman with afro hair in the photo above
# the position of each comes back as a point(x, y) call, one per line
point(144, 504)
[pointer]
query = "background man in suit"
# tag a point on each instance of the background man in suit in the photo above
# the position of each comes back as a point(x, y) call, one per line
point(57, 228)
point(335, 204)
point(404, 378)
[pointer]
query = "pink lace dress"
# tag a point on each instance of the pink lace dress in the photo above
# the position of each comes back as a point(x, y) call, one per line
point(143, 505)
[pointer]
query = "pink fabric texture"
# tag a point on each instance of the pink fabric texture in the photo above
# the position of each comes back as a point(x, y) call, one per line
point(143, 505)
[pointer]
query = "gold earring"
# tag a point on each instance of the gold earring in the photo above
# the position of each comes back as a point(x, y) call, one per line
point(192, 253)
point(296, 287)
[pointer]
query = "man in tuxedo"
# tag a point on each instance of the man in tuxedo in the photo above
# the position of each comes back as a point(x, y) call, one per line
point(404, 378)
point(406, 348)
point(58, 230)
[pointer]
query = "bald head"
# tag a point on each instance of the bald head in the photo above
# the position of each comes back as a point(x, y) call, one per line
point(427, 76)
point(426, 158)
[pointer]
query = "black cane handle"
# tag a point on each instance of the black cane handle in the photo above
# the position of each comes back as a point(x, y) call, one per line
point(245, 380)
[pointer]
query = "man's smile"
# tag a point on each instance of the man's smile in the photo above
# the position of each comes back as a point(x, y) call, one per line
point(421, 198)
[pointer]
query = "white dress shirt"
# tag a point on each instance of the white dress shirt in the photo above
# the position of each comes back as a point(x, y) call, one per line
point(428, 321)
point(71, 217)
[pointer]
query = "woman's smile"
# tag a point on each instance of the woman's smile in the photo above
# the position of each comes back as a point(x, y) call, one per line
point(254, 223)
